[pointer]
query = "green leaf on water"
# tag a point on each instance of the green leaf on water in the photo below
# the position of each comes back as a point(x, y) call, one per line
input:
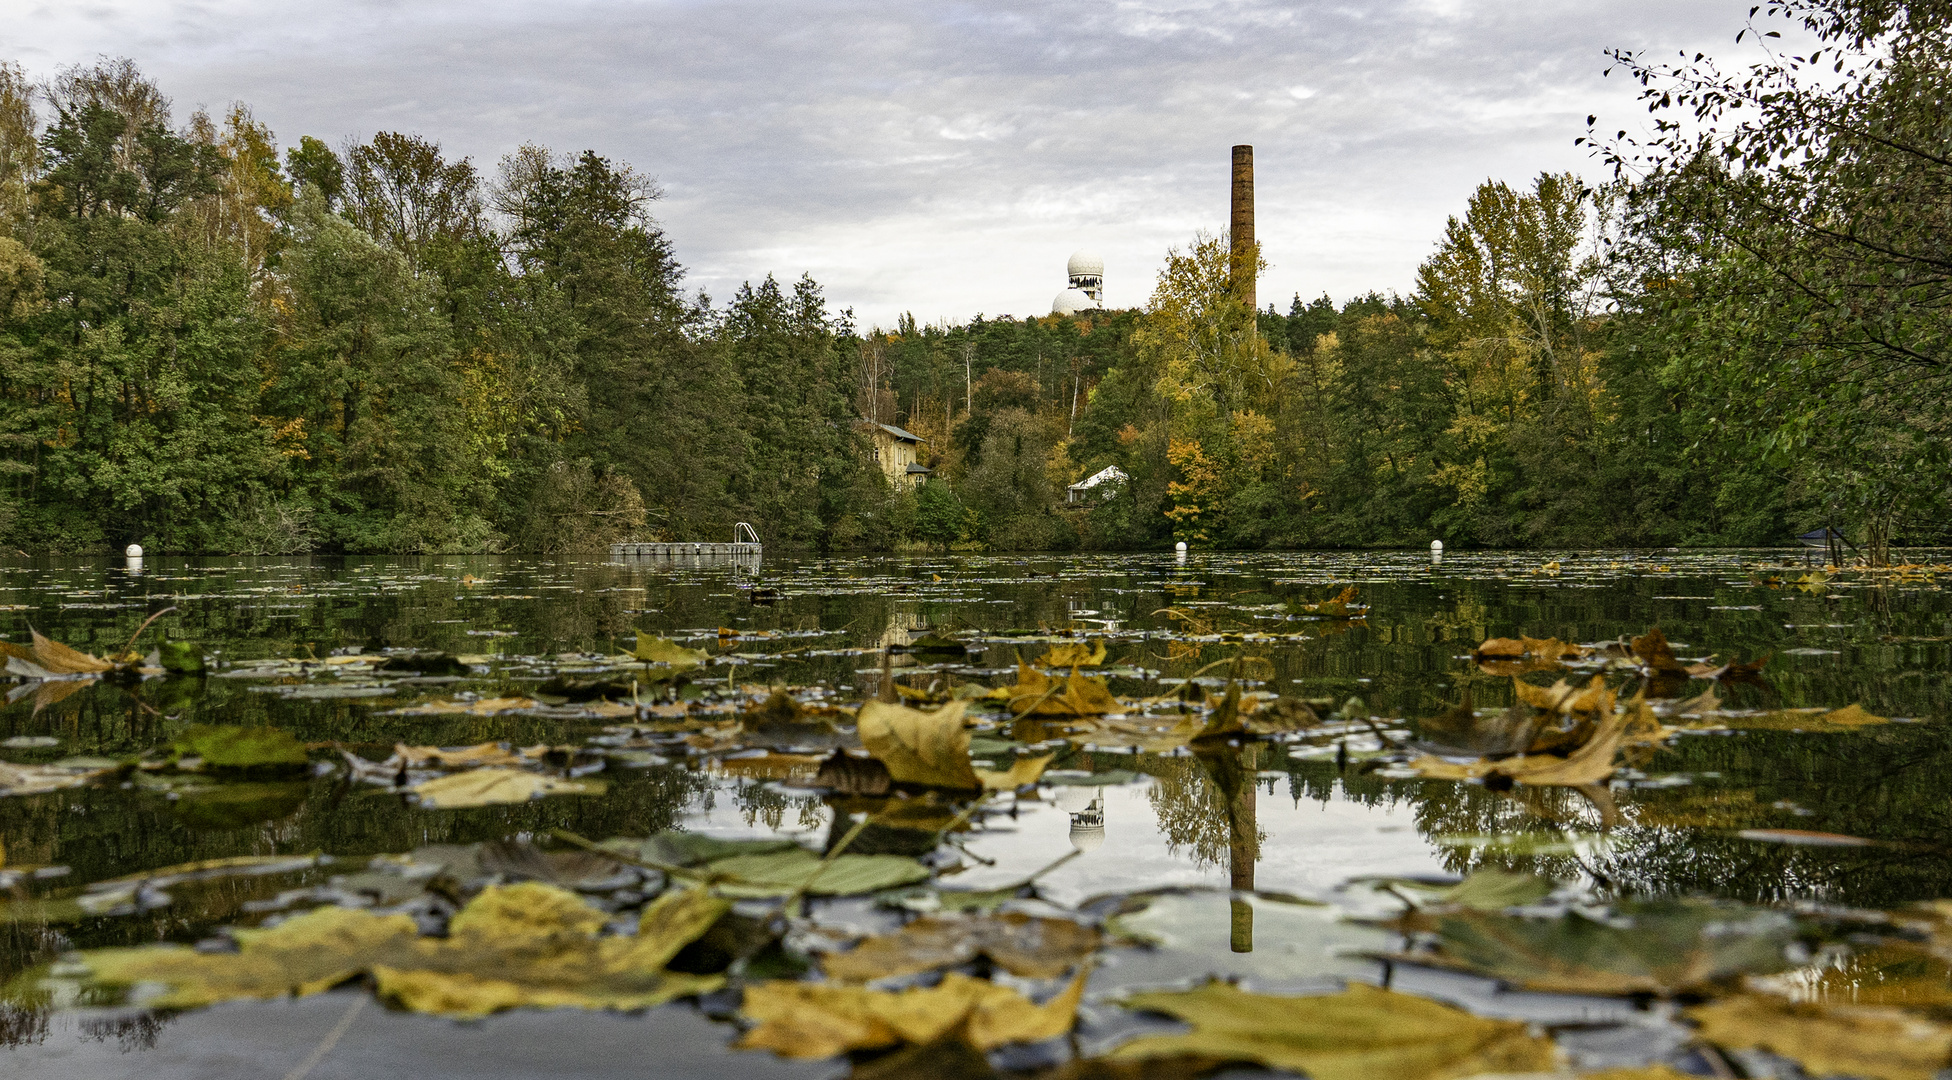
point(1483, 890)
point(1361, 1033)
point(245, 749)
point(692, 849)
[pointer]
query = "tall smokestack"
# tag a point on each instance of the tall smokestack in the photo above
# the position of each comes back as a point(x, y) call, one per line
point(1242, 227)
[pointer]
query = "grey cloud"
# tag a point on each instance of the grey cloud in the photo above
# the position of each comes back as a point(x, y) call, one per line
point(944, 158)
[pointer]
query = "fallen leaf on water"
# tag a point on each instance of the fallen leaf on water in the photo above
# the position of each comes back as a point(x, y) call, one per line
point(1655, 947)
point(1037, 694)
point(1848, 718)
point(457, 757)
point(1652, 650)
point(795, 869)
point(479, 707)
point(512, 945)
point(1803, 837)
point(657, 650)
point(1857, 1040)
point(1073, 654)
point(1024, 770)
point(930, 749)
point(1361, 1033)
point(1336, 607)
point(1484, 890)
point(35, 779)
point(489, 787)
point(1020, 944)
point(808, 1020)
point(1591, 763)
point(254, 749)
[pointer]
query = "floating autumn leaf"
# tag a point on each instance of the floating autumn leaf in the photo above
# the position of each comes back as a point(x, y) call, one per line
point(1848, 718)
point(810, 1020)
point(476, 707)
point(1361, 1033)
point(1854, 1040)
point(490, 787)
point(1653, 651)
point(1656, 947)
point(1590, 763)
point(794, 869)
point(1482, 890)
point(781, 721)
point(455, 757)
point(35, 779)
point(929, 749)
point(1549, 650)
point(657, 650)
point(1022, 771)
point(515, 945)
point(1336, 607)
point(1020, 944)
point(1074, 654)
point(1037, 694)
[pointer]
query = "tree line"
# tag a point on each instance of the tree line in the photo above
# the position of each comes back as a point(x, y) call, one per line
point(208, 346)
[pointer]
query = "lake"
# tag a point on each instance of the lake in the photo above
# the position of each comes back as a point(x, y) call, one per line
point(1307, 850)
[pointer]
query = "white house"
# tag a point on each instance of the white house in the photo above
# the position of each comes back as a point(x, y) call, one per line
point(1102, 484)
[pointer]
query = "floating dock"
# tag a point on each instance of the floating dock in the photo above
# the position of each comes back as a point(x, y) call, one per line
point(745, 543)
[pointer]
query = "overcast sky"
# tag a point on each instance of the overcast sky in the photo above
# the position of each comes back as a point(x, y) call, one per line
point(943, 158)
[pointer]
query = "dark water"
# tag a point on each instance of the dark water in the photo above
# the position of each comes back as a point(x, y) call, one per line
point(1882, 643)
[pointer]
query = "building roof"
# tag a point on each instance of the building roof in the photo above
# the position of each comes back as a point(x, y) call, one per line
point(919, 470)
point(1110, 474)
point(1072, 301)
point(905, 436)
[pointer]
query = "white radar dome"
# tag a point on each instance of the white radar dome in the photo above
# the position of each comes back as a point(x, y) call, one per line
point(1072, 301)
point(133, 551)
point(1085, 264)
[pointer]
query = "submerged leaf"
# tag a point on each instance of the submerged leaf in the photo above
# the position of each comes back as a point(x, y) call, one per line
point(1361, 1033)
point(1018, 943)
point(809, 1020)
point(930, 749)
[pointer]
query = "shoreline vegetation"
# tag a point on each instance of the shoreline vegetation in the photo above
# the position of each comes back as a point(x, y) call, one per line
point(213, 344)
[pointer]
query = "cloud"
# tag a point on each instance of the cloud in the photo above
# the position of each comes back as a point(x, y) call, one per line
point(945, 158)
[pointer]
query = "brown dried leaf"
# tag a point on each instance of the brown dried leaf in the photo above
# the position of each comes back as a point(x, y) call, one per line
point(1020, 944)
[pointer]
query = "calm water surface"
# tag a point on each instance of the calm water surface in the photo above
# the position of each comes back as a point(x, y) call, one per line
point(1319, 824)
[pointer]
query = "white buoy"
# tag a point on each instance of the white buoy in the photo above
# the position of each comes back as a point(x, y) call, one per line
point(1181, 546)
point(133, 551)
point(1436, 545)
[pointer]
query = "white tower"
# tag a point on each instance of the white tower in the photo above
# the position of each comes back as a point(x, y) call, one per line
point(1086, 271)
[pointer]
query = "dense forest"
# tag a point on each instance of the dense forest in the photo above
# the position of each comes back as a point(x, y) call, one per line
point(207, 345)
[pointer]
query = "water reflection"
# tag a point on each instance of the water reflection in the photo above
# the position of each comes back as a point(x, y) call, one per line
point(1254, 818)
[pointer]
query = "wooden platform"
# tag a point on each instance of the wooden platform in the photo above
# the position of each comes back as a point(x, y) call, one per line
point(683, 548)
